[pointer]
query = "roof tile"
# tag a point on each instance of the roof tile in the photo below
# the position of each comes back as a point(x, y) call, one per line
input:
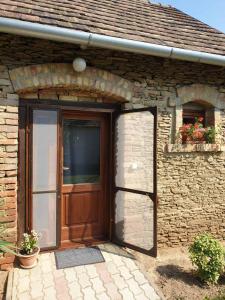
point(131, 19)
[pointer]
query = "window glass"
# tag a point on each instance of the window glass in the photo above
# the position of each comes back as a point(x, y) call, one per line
point(81, 151)
point(44, 176)
point(44, 150)
point(44, 218)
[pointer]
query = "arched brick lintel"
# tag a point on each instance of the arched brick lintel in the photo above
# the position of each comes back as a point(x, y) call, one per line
point(56, 76)
point(201, 92)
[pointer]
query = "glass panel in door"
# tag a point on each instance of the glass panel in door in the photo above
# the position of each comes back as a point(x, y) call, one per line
point(81, 151)
point(44, 175)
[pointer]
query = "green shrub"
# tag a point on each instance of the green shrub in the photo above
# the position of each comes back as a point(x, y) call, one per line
point(208, 255)
point(220, 296)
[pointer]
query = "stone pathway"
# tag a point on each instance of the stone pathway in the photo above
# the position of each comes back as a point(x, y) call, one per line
point(117, 278)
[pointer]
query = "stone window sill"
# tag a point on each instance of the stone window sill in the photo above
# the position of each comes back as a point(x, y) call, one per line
point(176, 148)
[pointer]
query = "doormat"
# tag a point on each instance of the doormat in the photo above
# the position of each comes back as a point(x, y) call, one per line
point(78, 257)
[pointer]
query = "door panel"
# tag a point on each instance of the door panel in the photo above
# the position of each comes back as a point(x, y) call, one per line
point(84, 215)
point(135, 180)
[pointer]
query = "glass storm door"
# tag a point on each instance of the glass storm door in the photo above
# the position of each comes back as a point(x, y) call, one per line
point(84, 164)
point(44, 176)
point(135, 180)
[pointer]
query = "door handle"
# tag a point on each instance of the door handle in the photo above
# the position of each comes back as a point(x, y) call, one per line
point(65, 168)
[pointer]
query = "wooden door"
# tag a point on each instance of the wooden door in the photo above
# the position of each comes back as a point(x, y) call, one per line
point(84, 207)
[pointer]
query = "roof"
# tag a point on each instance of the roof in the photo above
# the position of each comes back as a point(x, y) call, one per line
point(131, 19)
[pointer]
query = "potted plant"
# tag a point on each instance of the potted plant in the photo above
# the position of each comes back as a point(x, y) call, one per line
point(29, 250)
point(196, 133)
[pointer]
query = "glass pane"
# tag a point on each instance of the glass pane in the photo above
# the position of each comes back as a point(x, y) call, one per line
point(134, 151)
point(81, 151)
point(44, 150)
point(44, 218)
point(134, 220)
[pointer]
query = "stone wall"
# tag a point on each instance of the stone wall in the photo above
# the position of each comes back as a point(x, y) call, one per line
point(190, 184)
point(8, 163)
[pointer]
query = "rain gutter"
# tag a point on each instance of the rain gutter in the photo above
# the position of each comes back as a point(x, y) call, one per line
point(59, 34)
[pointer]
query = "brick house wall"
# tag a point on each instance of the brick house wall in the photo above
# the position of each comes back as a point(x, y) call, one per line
point(190, 184)
point(8, 162)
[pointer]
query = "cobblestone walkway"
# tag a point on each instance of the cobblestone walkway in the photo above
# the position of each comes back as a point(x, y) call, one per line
point(117, 278)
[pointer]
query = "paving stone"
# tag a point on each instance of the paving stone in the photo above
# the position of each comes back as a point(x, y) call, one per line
point(45, 256)
point(141, 297)
point(64, 295)
point(97, 285)
point(91, 271)
point(34, 278)
point(14, 292)
point(126, 293)
point(36, 285)
point(23, 284)
point(116, 279)
point(35, 270)
point(89, 294)
point(119, 281)
point(112, 268)
point(131, 265)
point(75, 290)
point(113, 291)
point(105, 276)
point(48, 280)
point(22, 273)
point(24, 296)
point(36, 292)
point(61, 284)
point(117, 260)
point(58, 273)
point(139, 277)
point(103, 296)
point(107, 256)
point(50, 293)
point(70, 275)
point(100, 267)
point(46, 266)
point(149, 292)
point(134, 287)
point(80, 269)
point(84, 280)
point(125, 272)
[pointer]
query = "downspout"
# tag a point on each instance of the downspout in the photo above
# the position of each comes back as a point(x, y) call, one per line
point(59, 34)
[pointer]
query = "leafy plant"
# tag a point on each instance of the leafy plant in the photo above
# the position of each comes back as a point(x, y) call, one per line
point(208, 255)
point(5, 246)
point(211, 132)
point(29, 242)
point(220, 296)
point(196, 132)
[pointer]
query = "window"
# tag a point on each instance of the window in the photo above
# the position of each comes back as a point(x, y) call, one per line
point(197, 123)
point(193, 110)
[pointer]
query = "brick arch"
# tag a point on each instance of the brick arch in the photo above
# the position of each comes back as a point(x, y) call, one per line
point(199, 92)
point(62, 76)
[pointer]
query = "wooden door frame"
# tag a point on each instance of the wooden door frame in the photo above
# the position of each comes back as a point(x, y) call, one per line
point(25, 148)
